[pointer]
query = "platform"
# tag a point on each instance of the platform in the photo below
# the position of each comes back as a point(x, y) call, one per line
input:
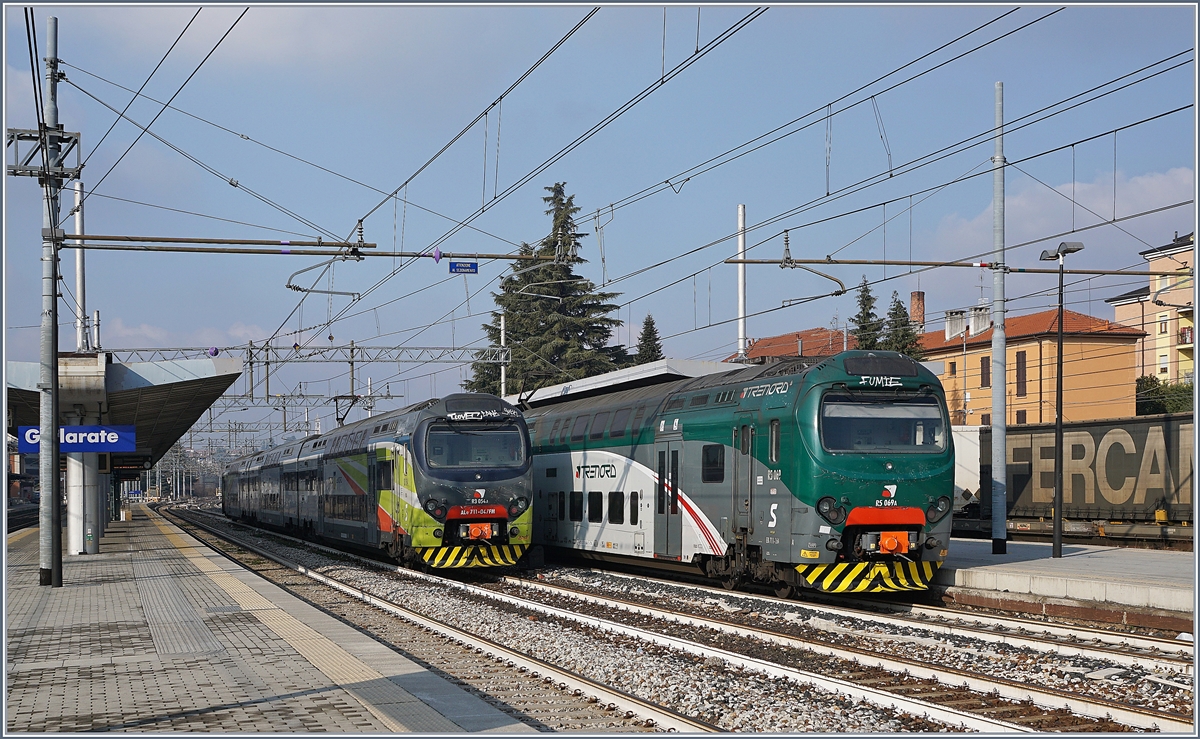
point(1143, 587)
point(157, 633)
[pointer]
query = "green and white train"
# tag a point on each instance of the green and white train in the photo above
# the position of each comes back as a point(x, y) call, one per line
point(837, 476)
point(444, 483)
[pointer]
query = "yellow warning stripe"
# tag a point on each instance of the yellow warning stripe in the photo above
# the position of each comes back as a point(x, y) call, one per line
point(473, 556)
point(872, 577)
point(341, 667)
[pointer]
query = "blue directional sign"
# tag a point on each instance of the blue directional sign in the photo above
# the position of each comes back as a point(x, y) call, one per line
point(464, 268)
point(73, 439)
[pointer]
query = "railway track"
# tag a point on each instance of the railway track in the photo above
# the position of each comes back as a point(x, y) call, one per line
point(992, 705)
point(534, 692)
point(1120, 648)
point(850, 700)
point(1000, 695)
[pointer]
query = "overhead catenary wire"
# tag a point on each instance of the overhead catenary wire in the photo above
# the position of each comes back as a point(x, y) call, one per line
point(146, 129)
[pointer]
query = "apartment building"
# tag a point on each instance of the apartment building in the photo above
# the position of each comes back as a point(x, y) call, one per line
point(1163, 310)
point(1099, 366)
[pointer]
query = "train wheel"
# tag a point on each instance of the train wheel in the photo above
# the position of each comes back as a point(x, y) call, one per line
point(731, 582)
point(784, 590)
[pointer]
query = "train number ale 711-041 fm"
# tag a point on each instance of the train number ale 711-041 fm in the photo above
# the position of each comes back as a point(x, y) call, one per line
point(443, 483)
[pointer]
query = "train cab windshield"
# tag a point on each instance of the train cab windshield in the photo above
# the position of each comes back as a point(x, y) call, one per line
point(873, 424)
point(458, 445)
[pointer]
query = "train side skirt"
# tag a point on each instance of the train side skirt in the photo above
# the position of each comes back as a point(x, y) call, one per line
point(473, 556)
point(868, 577)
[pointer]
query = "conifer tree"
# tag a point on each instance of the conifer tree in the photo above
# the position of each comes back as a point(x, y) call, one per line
point(649, 346)
point(556, 321)
point(900, 335)
point(867, 326)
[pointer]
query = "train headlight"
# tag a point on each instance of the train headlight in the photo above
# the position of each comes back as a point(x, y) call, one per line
point(437, 533)
point(831, 511)
point(514, 532)
point(518, 505)
point(430, 505)
point(937, 510)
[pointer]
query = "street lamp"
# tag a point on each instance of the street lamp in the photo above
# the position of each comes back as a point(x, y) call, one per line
point(1065, 248)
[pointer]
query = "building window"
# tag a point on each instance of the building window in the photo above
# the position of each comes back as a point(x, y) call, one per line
point(985, 419)
point(1163, 320)
point(1022, 389)
point(953, 369)
point(1162, 364)
point(985, 372)
point(1022, 416)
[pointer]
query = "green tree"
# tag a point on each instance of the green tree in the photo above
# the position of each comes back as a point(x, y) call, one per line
point(556, 321)
point(1151, 396)
point(867, 326)
point(900, 335)
point(649, 346)
point(1178, 397)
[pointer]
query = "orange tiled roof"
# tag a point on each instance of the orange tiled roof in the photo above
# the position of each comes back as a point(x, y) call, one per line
point(1044, 323)
point(817, 342)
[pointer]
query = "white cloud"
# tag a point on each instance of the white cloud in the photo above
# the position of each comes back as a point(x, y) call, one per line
point(115, 332)
point(1033, 212)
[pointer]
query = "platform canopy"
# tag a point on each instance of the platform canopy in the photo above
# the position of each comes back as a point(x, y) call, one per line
point(162, 400)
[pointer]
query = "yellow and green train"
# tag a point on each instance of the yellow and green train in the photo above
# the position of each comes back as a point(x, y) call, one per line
point(837, 476)
point(444, 483)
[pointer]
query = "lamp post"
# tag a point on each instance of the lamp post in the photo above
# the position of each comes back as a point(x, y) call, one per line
point(1065, 248)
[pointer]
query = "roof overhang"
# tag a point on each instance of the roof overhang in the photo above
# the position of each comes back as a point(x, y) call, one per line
point(161, 400)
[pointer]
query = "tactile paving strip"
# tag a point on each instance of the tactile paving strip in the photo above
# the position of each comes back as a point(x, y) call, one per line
point(395, 707)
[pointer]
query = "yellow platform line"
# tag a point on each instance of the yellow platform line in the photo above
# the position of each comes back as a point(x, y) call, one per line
point(21, 535)
point(343, 668)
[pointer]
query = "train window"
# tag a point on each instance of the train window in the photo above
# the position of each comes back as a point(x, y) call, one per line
point(698, 400)
point(598, 423)
point(861, 423)
point(633, 508)
point(774, 441)
point(595, 506)
point(675, 404)
point(553, 433)
point(662, 482)
point(616, 507)
point(674, 481)
point(576, 505)
point(620, 419)
point(566, 429)
point(384, 473)
point(562, 506)
point(579, 428)
point(637, 420)
point(551, 472)
point(712, 463)
point(745, 442)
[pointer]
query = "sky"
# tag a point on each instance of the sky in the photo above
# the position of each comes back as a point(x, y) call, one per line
point(882, 120)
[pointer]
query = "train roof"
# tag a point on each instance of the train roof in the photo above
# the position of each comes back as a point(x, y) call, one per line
point(642, 375)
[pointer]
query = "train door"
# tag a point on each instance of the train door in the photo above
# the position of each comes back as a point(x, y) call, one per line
point(668, 521)
point(743, 469)
point(372, 503)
